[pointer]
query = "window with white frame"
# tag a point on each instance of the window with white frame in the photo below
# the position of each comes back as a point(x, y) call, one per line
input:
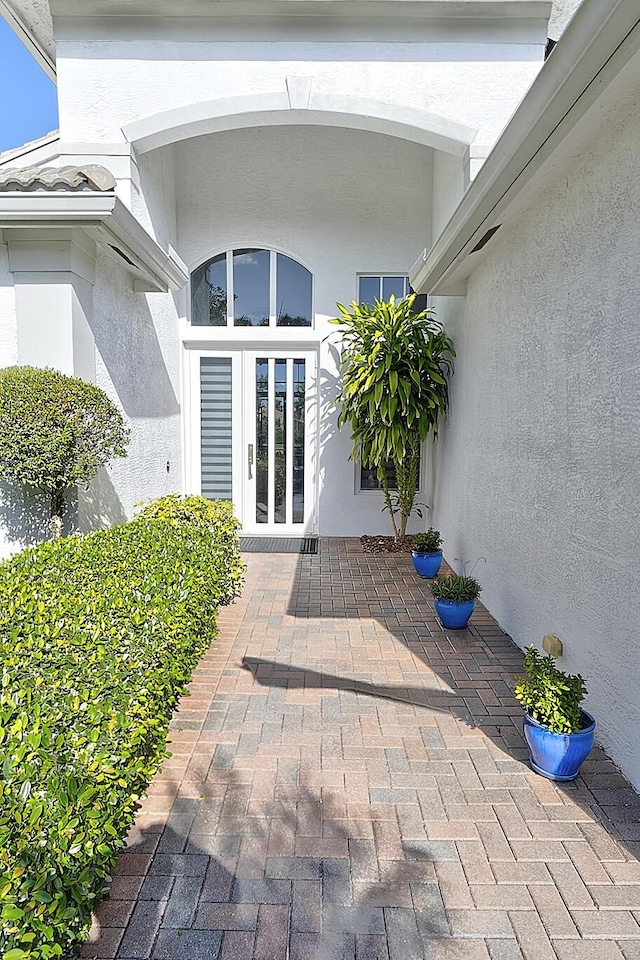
point(373, 287)
point(252, 288)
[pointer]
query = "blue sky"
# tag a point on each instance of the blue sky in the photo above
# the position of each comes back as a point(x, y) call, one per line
point(28, 107)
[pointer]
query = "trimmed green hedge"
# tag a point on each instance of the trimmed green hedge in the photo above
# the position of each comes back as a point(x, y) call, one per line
point(98, 637)
point(214, 515)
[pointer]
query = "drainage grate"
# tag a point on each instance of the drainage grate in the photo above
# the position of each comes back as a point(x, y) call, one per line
point(306, 545)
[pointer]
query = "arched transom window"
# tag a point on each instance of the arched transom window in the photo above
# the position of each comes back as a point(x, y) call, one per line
point(251, 288)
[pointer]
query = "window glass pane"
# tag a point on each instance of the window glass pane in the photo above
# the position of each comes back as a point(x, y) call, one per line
point(393, 285)
point(369, 477)
point(262, 441)
point(280, 428)
point(298, 440)
point(368, 289)
point(251, 288)
point(293, 293)
point(209, 293)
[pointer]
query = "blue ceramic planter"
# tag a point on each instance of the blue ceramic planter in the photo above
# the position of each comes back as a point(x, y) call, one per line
point(557, 756)
point(426, 564)
point(454, 616)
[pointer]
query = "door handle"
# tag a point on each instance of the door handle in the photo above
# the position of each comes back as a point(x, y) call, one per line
point(250, 460)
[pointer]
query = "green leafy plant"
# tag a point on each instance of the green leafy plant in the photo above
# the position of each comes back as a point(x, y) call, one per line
point(98, 636)
point(429, 542)
point(550, 696)
point(453, 586)
point(55, 432)
point(394, 369)
point(214, 515)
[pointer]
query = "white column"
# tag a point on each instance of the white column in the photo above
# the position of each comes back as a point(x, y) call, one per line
point(54, 274)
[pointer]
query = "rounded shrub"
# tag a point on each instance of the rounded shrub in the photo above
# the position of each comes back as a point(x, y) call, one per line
point(214, 515)
point(55, 432)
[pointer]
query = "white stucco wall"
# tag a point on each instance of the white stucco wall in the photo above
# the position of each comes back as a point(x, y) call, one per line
point(137, 364)
point(470, 76)
point(8, 329)
point(538, 464)
point(154, 197)
point(341, 202)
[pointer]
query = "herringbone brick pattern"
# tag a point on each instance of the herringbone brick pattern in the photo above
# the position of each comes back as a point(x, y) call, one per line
point(348, 780)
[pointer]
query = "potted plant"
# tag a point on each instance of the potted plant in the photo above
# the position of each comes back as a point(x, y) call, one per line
point(454, 597)
point(427, 553)
point(560, 734)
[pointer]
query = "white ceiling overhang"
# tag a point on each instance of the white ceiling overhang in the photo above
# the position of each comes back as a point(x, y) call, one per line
point(470, 9)
point(108, 221)
point(33, 20)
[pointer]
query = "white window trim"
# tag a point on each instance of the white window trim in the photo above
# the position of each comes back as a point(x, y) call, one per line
point(381, 276)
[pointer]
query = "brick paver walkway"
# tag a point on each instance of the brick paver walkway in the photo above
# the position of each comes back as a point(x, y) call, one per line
point(348, 780)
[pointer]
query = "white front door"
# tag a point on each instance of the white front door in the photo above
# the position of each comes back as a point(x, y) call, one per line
point(256, 442)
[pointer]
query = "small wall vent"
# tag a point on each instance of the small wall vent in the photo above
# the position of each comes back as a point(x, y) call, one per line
point(123, 255)
point(485, 239)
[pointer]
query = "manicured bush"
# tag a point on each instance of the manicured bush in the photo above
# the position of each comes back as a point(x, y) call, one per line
point(55, 432)
point(98, 637)
point(215, 515)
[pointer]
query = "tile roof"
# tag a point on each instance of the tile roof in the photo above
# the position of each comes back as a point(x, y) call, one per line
point(89, 176)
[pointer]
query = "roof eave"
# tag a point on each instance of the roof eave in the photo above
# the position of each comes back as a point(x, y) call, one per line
point(595, 46)
point(104, 217)
point(34, 44)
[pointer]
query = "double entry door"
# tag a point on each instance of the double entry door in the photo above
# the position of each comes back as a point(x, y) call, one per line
point(257, 437)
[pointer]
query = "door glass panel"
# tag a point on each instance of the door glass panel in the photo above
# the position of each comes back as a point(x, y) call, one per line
point(216, 427)
point(293, 293)
point(393, 285)
point(280, 428)
point(299, 400)
point(209, 293)
point(251, 288)
point(369, 289)
point(262, 441)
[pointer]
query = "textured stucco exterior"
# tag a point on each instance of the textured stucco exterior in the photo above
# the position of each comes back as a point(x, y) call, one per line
point(561, 14)
point(103, 87)
point(537, 468)
point(8, 329)
point(137, 364)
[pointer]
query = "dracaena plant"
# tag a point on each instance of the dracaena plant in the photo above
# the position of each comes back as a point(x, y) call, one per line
point(552, 697)
point(393, 390)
